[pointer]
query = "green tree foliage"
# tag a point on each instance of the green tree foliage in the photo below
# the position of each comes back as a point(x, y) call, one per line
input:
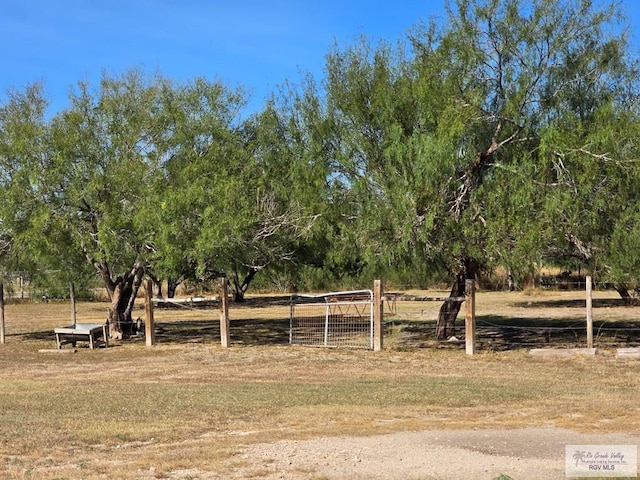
point(530, 81)
point(199, 159)
point(290, 141)
point(22, 147)
point(503, 137)
point(88, 181)
point(103, 152)
point(274, 202)
point(145, 176)
point(489, 142)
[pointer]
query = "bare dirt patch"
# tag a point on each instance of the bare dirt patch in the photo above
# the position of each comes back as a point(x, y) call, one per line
point(528, 454)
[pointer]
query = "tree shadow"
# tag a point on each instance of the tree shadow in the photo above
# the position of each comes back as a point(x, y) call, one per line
point(500, 333)
point(40, 336)
point(571, 303)
point(506, 333)
point(494, 333)
point(208, 303)
point(241, 332)
point(263, 302)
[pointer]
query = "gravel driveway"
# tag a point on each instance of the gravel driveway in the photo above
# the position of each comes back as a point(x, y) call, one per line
point(523, 454)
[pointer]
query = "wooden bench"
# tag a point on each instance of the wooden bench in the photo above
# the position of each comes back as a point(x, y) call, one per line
point(82, 332)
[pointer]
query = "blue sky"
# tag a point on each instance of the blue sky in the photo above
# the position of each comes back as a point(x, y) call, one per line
point(249, 43)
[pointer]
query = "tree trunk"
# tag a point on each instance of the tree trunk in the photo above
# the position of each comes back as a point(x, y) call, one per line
point(132, 292)
point(172, 286)
point(446, 326)
point(72, 298)
point(239, 289)
point(116, 313)
point(157, 285)
point(627, 298)
point(157, 289)
point(123, 296)
point(2, 333)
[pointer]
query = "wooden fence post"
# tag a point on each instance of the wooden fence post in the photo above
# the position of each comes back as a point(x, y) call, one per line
point(470, 316)
point(72, 299)
point(149, 328)
point(224, 313)
point(1, 313)
point(589, 314)
point(378, 315)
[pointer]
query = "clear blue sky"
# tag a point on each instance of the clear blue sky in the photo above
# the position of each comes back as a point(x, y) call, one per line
point(249, 43)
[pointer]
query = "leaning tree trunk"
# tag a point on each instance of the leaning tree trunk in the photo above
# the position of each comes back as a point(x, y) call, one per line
point(626, 296)
point(446, 326)
point(116, 316)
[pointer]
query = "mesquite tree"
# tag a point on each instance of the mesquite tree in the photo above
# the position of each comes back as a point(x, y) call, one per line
point(81, 183)
point(200, 159)
point(105, 153)
point(516, 74)
point(539, 86)
point(256, 209)
point(483, 143)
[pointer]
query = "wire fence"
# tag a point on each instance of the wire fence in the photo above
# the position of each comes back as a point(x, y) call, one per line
point(504, 320)
point(512, 320)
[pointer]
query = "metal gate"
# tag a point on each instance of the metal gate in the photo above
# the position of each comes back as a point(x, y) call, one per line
point(337, 319)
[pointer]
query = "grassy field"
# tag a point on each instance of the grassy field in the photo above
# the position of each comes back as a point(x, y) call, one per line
point(132, 411)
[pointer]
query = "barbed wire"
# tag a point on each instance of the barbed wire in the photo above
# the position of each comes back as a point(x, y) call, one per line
point(190, 303)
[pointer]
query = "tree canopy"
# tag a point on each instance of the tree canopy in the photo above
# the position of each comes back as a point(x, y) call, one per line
point(505, 136)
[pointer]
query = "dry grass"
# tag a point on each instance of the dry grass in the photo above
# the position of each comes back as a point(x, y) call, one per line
point(136, 412)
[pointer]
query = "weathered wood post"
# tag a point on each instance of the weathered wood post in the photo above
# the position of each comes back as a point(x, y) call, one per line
point(1, 313)
point(470, 316)
point(149, 327)
point(378, 315)
point(72, 298)
point(224, 312)
point(589, 314)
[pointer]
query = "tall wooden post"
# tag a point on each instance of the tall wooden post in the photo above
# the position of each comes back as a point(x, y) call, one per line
point(470, 316)
point(72, 298)
point(378, 315)
point(224, 312)
point(589, 314)
point(1, 313)
point(149, 327)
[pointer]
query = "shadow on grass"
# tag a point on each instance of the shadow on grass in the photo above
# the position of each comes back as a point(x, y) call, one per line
point(242, 332)
point(501, 333)
point(198, 303)
point(263, 302)
point(496, 333)
point(572, 303)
